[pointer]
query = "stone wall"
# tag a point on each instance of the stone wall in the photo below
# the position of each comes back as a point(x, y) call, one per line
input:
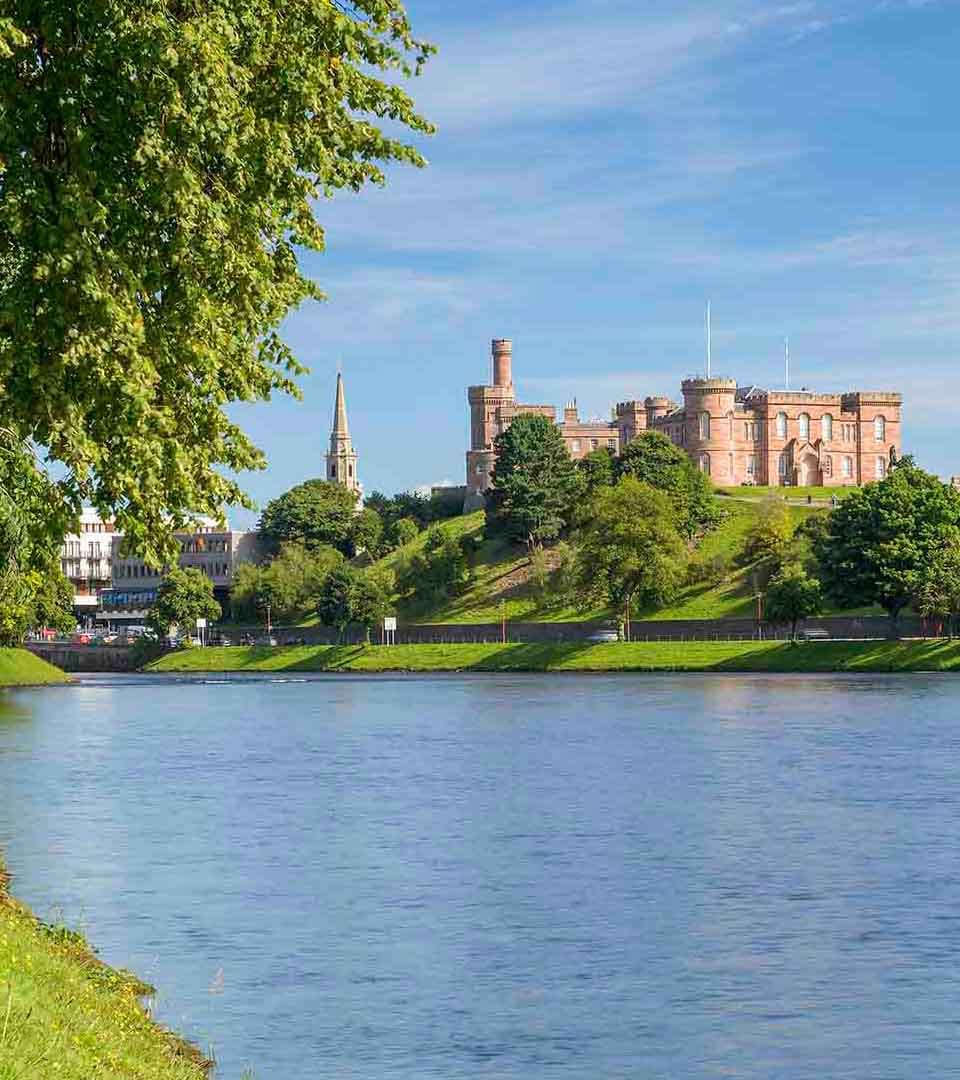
point(84, 658)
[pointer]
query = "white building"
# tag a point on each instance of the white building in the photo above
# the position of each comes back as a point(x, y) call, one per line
point(86, 560)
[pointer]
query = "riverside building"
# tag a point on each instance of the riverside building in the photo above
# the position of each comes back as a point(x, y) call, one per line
point(736, 434)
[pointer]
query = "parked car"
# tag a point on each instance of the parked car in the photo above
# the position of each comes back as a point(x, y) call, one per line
point(267, 640)
point(600, 637)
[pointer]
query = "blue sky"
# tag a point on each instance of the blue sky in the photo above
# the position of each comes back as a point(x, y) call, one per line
point(601, 169)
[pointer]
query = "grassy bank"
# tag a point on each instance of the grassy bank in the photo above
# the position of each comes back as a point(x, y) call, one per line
point(21, 668)
point(772, 656)
point(65, 1014)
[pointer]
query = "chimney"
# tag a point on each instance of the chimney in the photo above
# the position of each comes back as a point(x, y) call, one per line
point(502, 362)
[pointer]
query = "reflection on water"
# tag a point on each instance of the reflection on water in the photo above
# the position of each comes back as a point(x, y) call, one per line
point(510, 876)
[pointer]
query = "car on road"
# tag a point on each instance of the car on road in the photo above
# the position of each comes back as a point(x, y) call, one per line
point(603, 637)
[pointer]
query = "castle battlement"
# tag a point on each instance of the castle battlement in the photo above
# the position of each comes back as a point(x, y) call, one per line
point(736, 433)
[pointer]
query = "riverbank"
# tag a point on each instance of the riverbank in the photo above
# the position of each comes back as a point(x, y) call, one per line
point(21, 668)
point(747, 656)
point(65, 1013)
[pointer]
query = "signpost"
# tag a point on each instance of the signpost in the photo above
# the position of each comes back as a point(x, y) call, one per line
point(201, 626)
point(390, 630)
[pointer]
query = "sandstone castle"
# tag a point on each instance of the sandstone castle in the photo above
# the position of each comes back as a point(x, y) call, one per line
point(735, 434)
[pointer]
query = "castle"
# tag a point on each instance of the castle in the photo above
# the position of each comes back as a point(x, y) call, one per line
point(735, 434)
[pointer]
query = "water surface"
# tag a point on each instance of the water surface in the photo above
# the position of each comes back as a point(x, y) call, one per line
point(510, 876)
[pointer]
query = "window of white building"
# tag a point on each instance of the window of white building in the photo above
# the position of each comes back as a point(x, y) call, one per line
point(805, 426)
point(781, 425)
point(880, 429)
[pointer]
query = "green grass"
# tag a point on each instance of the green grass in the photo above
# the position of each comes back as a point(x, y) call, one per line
point(18, 667)
point(791, 494)
point(65, 1014)
point(771, 656)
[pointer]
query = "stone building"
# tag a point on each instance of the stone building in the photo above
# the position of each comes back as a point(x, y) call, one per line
point(342, 458)
point(736, 434)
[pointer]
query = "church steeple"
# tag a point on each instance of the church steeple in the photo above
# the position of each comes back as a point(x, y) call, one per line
point(341, 458)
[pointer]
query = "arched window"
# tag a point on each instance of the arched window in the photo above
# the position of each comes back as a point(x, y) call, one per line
point(705, 464)
point(826, 428)
point(781, 425)
point(880, 429)
point(704, 425)
point(847, 468)
point(805, 426)
point(881, 467)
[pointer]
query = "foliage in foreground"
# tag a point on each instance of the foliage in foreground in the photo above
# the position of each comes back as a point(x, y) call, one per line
point(159, 166)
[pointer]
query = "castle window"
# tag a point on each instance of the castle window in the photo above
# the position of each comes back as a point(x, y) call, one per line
point(782, 465)
point(847, 468)
point(805, 427)
point(575, 446)
point(478, 468)
point(746, 431)
point(611, 444)
point(881, 467)
point(705, 464)
point(705, 426)
point(880, 429)
point(594, 444)
point(781, 425)
point(751, 465)
point(826, 428)
point(350, 470)
point(828, 466)
point(333, 472)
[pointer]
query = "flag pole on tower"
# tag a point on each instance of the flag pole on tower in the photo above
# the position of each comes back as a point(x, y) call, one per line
point(786, 361)
point(709, 342)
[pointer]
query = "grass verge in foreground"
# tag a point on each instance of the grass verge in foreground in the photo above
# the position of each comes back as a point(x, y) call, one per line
point(64, 1013)
point(771, 656)
point(18, 667)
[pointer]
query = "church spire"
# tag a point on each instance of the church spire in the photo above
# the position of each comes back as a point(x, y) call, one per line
point(342, 458)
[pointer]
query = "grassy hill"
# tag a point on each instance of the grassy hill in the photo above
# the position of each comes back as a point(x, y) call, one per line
point(501, 586)
point(18, 667)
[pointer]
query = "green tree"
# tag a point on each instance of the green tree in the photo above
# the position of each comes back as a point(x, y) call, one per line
point(312, 513)
point(793, 595)
point(881, 539)
point(335, 604)
point(939, 595)
point(159, 166)
point(535, 484)
point(771, 530)
point(629, 548)
point(403, 532)
point(184, 596)
point(289, 584)
point(653, 459)
point(372, 599)
point(598, 469)
point(439, 572)
point(52, 599)
point(366, 533)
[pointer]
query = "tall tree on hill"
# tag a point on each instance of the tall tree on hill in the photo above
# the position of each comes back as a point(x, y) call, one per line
point(939, 595)
point(652, 458)
point(159, 166)
point(880, 541)
point(597, 469)
point(535, 483)
point(629, 551)
point(313, 513)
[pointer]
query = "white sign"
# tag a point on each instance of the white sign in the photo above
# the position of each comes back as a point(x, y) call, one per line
point(201, 624)
point(390, 623)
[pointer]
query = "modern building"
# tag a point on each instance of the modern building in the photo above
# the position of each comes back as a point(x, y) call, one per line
point(86, 559)
point(215, 551)
point(342, 458)
point(736, 434)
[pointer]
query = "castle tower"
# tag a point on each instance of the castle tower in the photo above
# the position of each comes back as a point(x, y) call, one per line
point(486, 416)
point(709, 407)
point(342, 458)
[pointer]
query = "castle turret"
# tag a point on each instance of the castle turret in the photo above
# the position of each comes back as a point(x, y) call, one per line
point(656, 409)
point(709, 407)
point(342, 458)
point(502, 362)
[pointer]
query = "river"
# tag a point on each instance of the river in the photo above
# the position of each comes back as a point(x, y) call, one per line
point(513, 877)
